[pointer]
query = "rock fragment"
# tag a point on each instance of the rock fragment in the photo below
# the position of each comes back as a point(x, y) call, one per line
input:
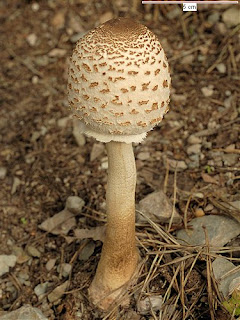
point(26, 312)
point(220, 230)
point(231, 16)
point(6, 262)
point(221, 270)
point(158, 208)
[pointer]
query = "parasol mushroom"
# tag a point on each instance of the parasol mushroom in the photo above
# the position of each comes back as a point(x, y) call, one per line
point(118, 88)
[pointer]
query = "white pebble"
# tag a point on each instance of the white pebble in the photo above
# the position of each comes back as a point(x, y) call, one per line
point(3, 172)
point(194, 149)
point(31, 39)
point(194, 140)
point(207, 92)
point(221, 67)
point(35, 7)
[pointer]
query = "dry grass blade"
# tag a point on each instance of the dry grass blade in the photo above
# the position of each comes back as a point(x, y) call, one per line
point(151, 273)
point(226, 207)
point(174, 199)
point(165, 235)
point(209, 279)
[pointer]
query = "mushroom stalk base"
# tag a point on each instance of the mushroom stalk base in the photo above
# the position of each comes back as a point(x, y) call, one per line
point(119, 256)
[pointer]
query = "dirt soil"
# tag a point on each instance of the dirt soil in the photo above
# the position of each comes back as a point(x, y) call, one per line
point(45, 165)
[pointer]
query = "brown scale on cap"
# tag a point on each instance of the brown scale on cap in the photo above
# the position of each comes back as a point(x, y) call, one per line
point(104, 91)
point(120, 58)
point(145, 86)
point(165, 83)
point(86, 67)
point(85, 97)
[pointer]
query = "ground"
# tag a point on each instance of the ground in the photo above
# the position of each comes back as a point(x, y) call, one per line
point(42, 164)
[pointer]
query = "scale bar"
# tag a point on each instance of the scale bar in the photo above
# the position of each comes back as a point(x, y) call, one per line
point(198, 2)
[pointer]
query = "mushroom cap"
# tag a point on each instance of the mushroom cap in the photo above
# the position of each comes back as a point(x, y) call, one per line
point(119, 81)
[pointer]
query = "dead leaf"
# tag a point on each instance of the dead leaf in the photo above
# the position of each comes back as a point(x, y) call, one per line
point(96, 151)
point(58, 292)
point(58, 21)
point(97, 233)
point(60, 223)
point(57, 52)
point(207, 178)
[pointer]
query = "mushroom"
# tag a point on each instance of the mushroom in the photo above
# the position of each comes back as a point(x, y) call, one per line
point(118, 88)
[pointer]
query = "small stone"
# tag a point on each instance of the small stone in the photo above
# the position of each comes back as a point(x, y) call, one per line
point(143, 156)
point(65, 269)
point(231, 147)
point(34, 252)
point(41, 289)
point(149, 303)
point(21, 255)
point(209, 207)
point(15, 185)
point(221, 67)
point(62, 123)
point(194, 149)
point(3, 172)
point(35, 6)
point(234, 285)
point(97, 150)
point(235, 204)
point(77, 36)
point(199, 195)
point(221, 267)
point(87, 251)
point(106, 16)
point(35, 80)
point(228, 93)
point(75, 23)
point(220, 230)
point(104, 163)
point(75, 204)
point(214, 17)
point(201, 58)
point(199, 212)
point(230, 159)
point(178, 165)
point(58, 20)
point(179, 97)
point(31, 39)
point(194, 163)
point(23, 277)
point(188, 59)
point(6, 262)
point(42, 61)
point(174, 13)
point(228, 102)
point(57, 53)
point(79, 137)
point(50, 264)
point(194, 140)
point(221, 28)
point(35, 136)
point(231, 16)
point(207, 92)
point(157, 207)
point(26, 312)
point(58, 292)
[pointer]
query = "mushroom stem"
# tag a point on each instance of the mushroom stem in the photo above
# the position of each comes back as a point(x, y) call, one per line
point(119, 254)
